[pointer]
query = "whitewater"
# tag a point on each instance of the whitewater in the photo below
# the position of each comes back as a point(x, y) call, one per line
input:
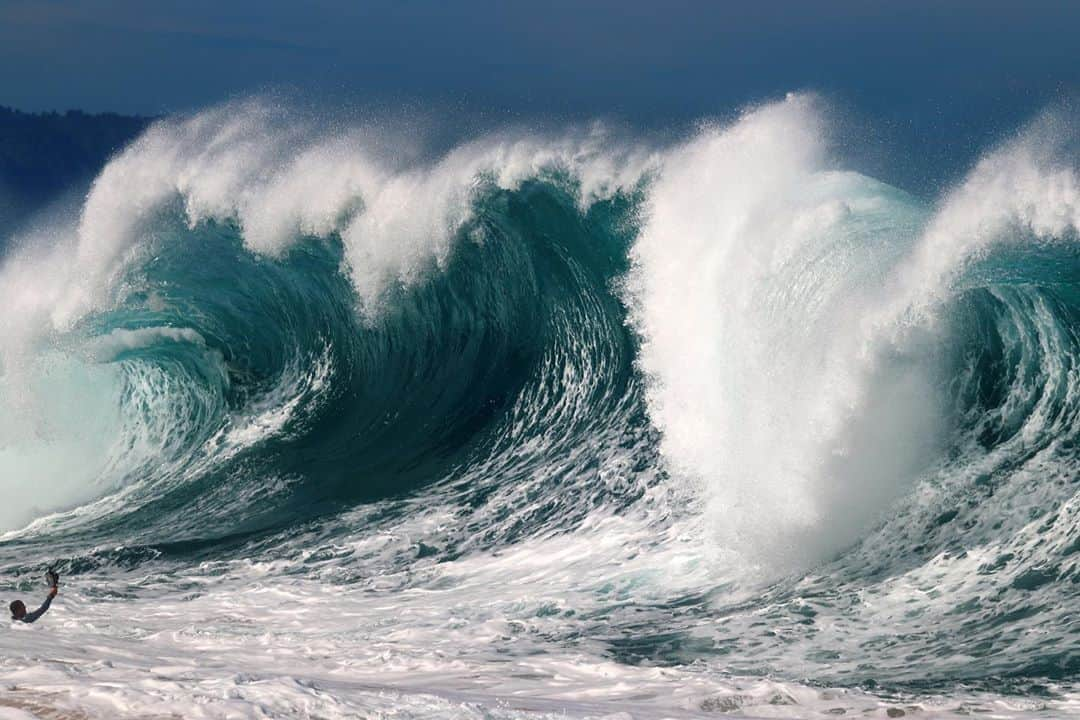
point(318, 421)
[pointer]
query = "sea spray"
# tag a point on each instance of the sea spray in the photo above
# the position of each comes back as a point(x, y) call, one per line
point(546, 416)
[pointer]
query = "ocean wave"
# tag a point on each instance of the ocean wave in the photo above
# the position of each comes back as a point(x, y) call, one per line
point(762, 406)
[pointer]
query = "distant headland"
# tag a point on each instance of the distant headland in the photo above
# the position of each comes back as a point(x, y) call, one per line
point(43, 155)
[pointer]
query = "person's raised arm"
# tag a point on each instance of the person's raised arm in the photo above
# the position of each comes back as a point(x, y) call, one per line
point(31, 617)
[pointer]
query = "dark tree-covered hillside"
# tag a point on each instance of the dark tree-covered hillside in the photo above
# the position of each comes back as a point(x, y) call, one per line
point(45, 154)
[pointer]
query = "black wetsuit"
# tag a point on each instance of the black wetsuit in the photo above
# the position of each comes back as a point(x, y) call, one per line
point(31, 617)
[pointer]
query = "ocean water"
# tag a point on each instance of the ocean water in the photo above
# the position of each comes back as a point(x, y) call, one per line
point(316, 423)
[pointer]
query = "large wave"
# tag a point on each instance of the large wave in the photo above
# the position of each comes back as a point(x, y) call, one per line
point(794, 383)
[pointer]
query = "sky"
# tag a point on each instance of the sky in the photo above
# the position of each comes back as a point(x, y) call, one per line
point(928, 67)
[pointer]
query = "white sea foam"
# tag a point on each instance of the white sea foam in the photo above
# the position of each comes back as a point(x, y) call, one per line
point(474, 637)
point(106, 348)
point(749, 275)
point(756, 289)
point(280, 180)
point(1028, 186)
point(786, 315)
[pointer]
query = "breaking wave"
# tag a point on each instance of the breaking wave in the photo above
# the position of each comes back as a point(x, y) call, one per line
point(749, 406)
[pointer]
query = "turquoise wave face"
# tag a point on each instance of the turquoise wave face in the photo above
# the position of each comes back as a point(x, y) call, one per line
point(725, 407)
point(267, 374)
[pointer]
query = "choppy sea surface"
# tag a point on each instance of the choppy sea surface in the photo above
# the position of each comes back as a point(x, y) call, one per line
point(316, 423)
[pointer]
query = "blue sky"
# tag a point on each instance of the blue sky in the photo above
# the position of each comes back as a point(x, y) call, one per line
point(633, 58)
point(927, 67)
